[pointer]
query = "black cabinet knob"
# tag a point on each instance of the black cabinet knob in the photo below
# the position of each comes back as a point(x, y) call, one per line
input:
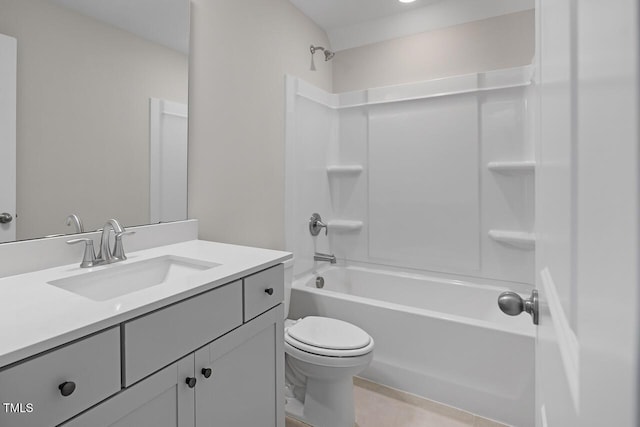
point(206, 372)
point(191, 382)
point(269, 291)
point(67, 388)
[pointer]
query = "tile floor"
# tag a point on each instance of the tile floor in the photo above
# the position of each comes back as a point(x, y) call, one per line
point(380, 406)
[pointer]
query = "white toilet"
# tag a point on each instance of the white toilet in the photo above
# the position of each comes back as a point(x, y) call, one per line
point(321, 357)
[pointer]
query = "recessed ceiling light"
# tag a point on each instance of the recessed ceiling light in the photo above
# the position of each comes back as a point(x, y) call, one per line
point(406, 1)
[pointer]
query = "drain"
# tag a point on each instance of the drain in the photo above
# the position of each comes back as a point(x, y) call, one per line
point(319, 282)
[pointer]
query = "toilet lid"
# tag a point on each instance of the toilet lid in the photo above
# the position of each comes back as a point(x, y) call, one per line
point(323, 332)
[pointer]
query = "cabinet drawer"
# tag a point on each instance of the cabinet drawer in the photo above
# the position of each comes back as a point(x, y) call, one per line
point(92, 364)
point(258, 297)
point(153, 341)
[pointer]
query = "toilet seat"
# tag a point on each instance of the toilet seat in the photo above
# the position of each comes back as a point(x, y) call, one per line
point(328, 337)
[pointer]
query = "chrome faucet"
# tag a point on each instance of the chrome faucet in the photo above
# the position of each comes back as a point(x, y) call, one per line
point(324, 257)
point(105, 256)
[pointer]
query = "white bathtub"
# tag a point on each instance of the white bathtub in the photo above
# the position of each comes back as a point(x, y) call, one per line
point(445, 340)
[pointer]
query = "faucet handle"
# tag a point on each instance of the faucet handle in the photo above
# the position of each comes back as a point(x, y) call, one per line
point(316, 224)
point(89, 257)
point(118, 248)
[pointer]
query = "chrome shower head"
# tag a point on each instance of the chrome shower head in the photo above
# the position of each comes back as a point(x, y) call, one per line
point(328, 55)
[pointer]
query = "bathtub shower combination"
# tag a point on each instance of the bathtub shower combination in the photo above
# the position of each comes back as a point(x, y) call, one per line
point(426, 190)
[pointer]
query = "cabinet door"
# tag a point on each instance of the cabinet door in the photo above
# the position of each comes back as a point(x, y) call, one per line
point(161, 400)
point(246, 385)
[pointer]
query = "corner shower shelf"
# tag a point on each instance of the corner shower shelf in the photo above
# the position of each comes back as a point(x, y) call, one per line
point(344, 169)
point(520, 167)
point(344, 225)
point(520, 239)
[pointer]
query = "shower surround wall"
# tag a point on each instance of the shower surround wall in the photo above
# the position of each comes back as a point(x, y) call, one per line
point(425, 183)
point(435, 176)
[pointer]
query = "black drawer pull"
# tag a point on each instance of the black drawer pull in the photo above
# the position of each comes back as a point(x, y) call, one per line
point(67, 388)
point(191, 382)
point(269, 291)
point(206, 372)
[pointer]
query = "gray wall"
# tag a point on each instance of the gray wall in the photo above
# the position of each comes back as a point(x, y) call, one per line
point(241, 51)
point(490, 44)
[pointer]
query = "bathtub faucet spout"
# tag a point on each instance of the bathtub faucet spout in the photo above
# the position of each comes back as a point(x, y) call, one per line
point(324, 257)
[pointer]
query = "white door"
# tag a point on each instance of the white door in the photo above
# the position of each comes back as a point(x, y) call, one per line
point(587, 213)
point(168, 160)
point(8, 69)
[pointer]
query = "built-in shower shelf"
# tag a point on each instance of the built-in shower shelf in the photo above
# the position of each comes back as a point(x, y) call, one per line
point(344, 169)
point(520, 167)
point(344, 225)
point(520, 239)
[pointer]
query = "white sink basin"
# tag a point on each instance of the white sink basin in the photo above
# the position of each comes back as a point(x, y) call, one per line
point(116, 280)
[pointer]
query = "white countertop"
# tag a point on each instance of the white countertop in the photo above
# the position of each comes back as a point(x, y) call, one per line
point(36, 316)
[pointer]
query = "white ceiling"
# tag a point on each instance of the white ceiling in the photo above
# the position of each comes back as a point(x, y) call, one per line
point(338, 13)
point(353, 23)
point(162, 21)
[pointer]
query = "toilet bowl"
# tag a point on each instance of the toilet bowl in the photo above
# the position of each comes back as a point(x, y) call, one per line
point(321, 357)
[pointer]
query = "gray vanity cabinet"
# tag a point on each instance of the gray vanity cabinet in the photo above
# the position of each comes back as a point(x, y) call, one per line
point(162, 400)
point(214, 359)
point(246, 382)
point(237, 382)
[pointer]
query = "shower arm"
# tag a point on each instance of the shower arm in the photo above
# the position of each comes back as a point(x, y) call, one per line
point(328, 54)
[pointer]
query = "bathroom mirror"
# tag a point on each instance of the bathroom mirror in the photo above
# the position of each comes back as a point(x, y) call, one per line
point(101, 112)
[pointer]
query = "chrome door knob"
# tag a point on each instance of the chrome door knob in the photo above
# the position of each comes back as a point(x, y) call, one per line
point(512, 304)
point(5, 218)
